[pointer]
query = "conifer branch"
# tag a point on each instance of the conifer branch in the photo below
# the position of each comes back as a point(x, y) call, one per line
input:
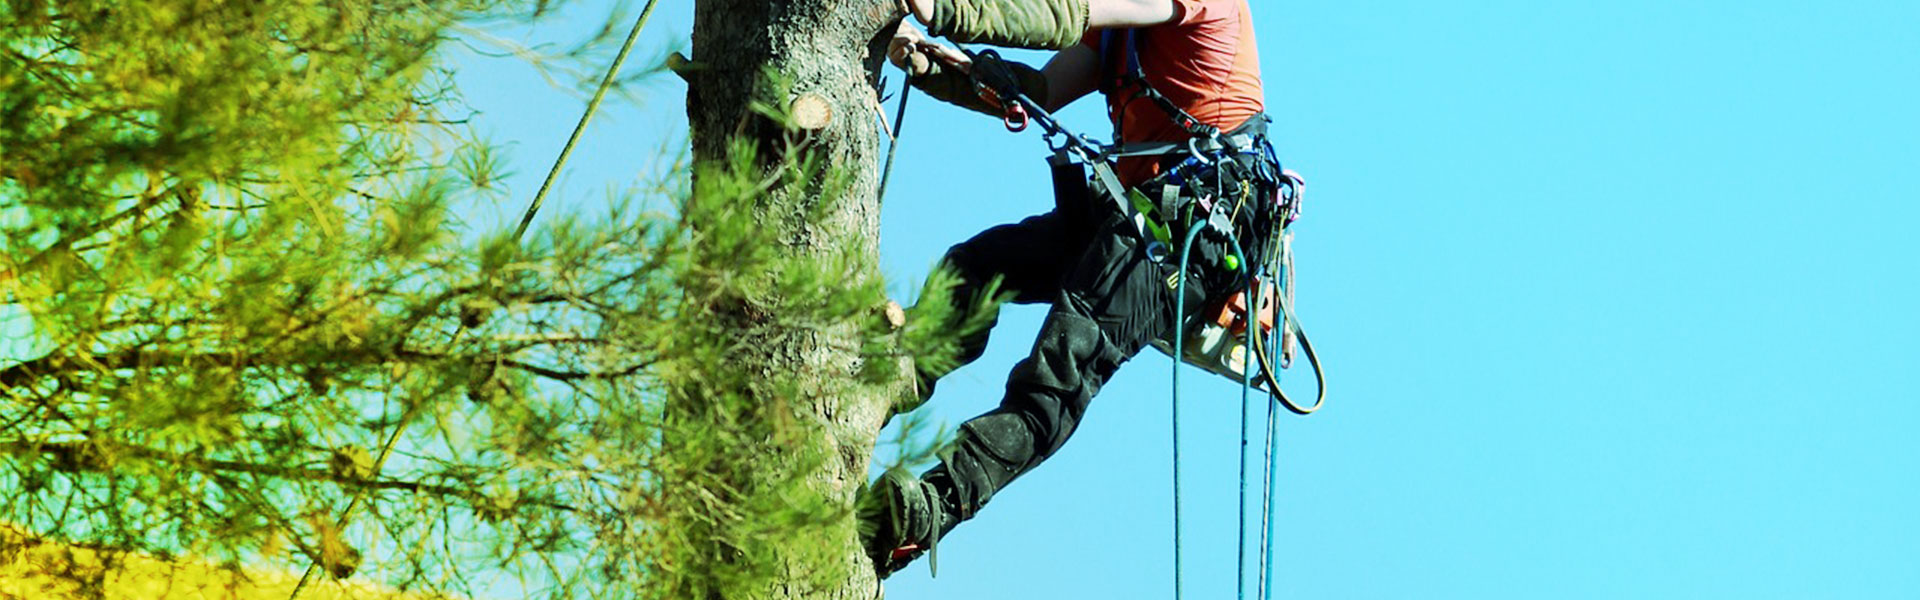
point(31, 371)
point(99, 455)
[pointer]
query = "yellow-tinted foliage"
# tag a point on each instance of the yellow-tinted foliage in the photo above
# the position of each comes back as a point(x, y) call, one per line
point(41, 569)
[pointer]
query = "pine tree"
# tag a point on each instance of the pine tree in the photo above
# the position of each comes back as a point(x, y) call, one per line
point(249, 326)
point(259, 333)
point(822, 226)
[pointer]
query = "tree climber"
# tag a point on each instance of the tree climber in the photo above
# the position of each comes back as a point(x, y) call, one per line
point(1181, 71)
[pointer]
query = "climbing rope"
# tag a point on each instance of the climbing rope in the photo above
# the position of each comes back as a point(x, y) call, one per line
point(1240, 543)
point(1179, 340)
point(593, 105)
point(1283, 275)
point(1266, 493)
point(1069, 146)
point(893, 143)
point(1246, 386)
point(1252, 348)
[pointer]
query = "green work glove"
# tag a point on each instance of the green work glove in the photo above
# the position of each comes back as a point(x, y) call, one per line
point(1038, 24)
point(950, 85)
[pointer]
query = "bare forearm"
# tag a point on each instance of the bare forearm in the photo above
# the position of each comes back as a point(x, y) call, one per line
point(1071, 74)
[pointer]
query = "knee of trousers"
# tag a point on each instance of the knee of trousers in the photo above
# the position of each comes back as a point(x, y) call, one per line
point(1053, 386)
point(990, 452)
point(1046, 397)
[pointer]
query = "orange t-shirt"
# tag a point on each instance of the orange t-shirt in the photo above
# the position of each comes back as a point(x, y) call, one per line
point(1206, 62)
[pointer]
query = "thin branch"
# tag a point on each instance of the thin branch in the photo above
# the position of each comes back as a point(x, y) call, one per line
point(140, 208)
point(94, 455)
point(27, 372)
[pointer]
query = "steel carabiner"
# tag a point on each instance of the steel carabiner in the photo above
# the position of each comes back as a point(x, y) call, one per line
point(1193, 148)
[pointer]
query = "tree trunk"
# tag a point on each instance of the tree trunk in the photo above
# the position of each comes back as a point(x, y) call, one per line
point(830, 52)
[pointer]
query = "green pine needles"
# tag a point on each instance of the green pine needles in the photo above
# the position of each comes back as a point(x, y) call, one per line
point(246, 324)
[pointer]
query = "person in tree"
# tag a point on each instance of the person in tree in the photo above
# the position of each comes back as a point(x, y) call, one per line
point(1180, 71)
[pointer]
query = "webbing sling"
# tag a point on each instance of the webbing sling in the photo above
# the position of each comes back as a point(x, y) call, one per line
point(1133, 75)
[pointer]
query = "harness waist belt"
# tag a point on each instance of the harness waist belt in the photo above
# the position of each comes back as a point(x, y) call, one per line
point(1234, 142)
point(1242, 138)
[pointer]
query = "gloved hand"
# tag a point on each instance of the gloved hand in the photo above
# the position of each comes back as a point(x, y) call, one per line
point(944, 72)
point(913, 52)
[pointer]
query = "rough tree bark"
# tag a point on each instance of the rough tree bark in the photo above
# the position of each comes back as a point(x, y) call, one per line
point(829, 50)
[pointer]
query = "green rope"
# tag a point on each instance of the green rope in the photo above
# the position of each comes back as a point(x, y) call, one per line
point(592, 106)
point(1246, 390)
point(899, 122)
point(1179, 351)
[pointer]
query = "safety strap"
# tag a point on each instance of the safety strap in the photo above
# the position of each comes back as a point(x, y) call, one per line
point(1133, 75)
point(1206, 147)
point(1107, 183)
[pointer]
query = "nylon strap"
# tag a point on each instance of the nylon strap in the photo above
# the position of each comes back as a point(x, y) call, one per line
point(1133, 75)
point(1117, 194)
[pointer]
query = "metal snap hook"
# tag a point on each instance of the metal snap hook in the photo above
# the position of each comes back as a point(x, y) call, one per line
point(1193, 148)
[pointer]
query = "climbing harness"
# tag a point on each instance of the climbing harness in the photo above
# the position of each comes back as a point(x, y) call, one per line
point(1190, 198)
point(1132, 76)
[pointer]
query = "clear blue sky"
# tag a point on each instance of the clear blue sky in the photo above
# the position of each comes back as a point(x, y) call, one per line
point(1616, 298)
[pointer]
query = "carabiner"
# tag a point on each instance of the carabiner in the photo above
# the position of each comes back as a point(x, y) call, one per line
point(1193, 148)
point(1016, 117)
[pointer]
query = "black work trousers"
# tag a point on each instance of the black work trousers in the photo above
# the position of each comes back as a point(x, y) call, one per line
point(1109, 300)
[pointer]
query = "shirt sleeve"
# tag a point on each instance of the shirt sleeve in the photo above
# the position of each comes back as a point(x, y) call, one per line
point(1203, 11)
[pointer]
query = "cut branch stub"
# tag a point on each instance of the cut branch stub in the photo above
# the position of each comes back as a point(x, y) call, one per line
point(896, 317)
point(811, 112)
point(682, 66)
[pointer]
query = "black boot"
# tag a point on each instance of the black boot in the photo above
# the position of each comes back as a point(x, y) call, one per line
point(904, 518)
